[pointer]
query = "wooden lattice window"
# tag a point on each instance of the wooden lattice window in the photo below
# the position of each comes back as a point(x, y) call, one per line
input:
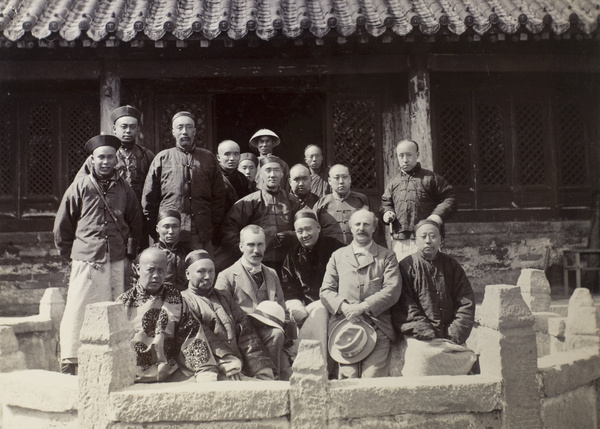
point(82, 120)
point(529, 128)
point(571, 140)
point(7, 140)
point(199, 106)
point(41, 150)
point(491, 142)
point(454, 143)
point(355, 133)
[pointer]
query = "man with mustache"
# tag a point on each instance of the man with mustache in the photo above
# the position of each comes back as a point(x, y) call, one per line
point(187, 179)
point(361, 284)
point(251, 283)
point(334, 210)
point(98, 215)
point(300, 186)
point(271, 208)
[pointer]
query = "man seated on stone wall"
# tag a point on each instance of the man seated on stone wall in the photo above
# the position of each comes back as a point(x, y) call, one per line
point(169, 341)
point(436, 310)
point(235, 345)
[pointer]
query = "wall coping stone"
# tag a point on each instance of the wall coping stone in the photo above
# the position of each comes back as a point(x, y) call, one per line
point(25, 324)
point(397, 395)
point(503, 307)
point(40, 390)
point(189, 401)
point(564, 371)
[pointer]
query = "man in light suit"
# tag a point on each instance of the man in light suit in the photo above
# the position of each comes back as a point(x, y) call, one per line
point(250, 283)
point(362, 281)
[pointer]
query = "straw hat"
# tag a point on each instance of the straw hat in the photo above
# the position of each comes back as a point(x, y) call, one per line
point(264, 132)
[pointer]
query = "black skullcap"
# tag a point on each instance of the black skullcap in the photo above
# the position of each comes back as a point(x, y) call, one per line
point(427, 222)
point(247, 155)
point(102, 140)
point(305, 214)
point(268, 159)
point(119, 112)
point(168, 213)
point(183, 113)
point(195, 256)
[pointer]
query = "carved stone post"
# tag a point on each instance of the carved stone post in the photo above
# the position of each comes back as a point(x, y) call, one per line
point(52, 306)
point(106, 361)
point(505, 339)
point(583, 326)
point(11, 359)
point(309, 386)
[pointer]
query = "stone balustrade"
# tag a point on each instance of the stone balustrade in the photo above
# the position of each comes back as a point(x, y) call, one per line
point(515, 389)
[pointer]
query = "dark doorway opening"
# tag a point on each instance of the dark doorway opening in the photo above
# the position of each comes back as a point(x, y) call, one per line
point(298, 119)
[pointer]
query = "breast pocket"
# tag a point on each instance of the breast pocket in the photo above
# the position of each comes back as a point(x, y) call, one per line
point(373, 285)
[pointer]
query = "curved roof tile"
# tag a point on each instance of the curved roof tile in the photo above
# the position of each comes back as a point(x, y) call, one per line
point(125, 19)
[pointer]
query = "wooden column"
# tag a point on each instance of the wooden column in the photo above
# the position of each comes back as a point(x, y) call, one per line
point(419, 107)
point(110, 95)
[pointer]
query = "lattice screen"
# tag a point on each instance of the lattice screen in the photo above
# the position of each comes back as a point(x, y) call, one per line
point(82, 125)
point(40, 149)
point(354, 135)
point(492, 150)
point(454, 143)
point(571, 142)
point(530, 143)
point(7, 140)
point(166, 112)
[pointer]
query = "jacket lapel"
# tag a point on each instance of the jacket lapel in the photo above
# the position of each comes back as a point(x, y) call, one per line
point(242, 279)
point(370, 257)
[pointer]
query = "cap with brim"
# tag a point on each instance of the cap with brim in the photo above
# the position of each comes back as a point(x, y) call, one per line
point(427, 222)
point(119, 112)
point(102, 140)
point(350, 342)
point(269, 159)
point(183, 113)
point(305, 214)
point(249, 156)
point(264, 132)
point(270, 313)
point(162, 214)
point(195, 256)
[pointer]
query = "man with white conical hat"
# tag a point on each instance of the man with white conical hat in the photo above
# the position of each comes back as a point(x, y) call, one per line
point(264, 141)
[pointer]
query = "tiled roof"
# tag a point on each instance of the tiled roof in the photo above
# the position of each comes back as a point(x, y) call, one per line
point(126, 19)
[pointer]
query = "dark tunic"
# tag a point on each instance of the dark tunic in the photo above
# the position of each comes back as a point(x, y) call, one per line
point(175, 264)
point(228, 329)
point(308, 201)
point(437, 300)
point(303, 269)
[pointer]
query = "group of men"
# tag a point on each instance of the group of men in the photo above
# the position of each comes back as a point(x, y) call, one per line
point(250, 256)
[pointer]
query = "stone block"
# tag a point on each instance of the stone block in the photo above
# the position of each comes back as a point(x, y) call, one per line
point(194, 402)
point(25, 324)
point(583, 321)
point(557, 327)
point(562, 309)
point(573, 409)
point(503, 307)
point(281, 423)
point(535, 289)
point(373, 397)
point(20, 418)
point(568, 370)
point(423, 421)
point(8, 341)
point(40, 390)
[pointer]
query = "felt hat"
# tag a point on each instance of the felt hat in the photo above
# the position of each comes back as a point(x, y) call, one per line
point(182, 113)
point(268, 159)
point(168, 213)
point(270, 313)
point(351, 342)
point(119, 112)
point(249, 156)
point(102, 140)
point(264, 132)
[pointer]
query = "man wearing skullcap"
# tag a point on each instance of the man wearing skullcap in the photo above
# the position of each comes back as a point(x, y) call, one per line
point(98, 219)
point(362, 281)
point(248, 167)
point(437, 300)
point(169, 342)
point(313, 157)
point(187, 179)
point(334, 210)
point(264, 141)
point(270, 208)
point(133, 159)
point(168, 227)
point(234, 343)
point(300, 186)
